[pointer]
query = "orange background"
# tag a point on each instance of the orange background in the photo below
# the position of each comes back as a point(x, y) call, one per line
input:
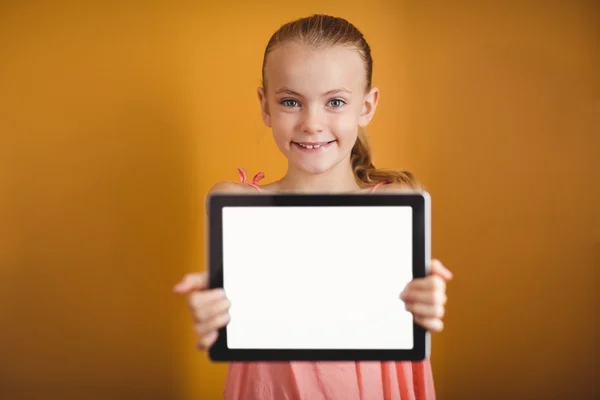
point(116, 120)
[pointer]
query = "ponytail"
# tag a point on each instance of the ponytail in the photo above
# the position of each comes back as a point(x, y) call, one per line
point(366, 173)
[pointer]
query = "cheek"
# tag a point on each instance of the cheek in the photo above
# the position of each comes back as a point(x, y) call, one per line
point(282, 129)
point(283, 124)
point(345, 126)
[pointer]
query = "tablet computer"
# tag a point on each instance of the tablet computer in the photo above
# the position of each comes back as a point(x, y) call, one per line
point(318, 277)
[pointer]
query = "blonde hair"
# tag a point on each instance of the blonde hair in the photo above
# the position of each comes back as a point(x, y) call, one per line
point(323, 30)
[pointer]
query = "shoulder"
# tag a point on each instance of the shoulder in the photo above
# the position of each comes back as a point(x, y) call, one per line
point(398, 188)
point(231, 188)
point(228, 188)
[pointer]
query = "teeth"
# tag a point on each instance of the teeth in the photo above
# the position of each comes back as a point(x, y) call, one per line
point(310, 146)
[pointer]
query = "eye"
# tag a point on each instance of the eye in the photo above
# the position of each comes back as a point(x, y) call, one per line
point(290, 103)
point(337, 103)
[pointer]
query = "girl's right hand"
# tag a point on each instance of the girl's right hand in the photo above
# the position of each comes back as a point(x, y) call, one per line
point(209, 308)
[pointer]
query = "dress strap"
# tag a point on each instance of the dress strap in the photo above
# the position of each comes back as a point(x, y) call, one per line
point(380, 184)
point(255, 179)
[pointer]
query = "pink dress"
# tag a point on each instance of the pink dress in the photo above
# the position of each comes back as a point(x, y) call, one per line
point(348, 380)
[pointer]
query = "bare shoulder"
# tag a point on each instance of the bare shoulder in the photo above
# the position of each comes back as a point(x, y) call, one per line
point(398, 188)
point(228, 188)
point(231, 188)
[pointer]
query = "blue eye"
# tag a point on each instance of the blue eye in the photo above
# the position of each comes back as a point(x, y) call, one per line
point(290, 103)
point(337, 103)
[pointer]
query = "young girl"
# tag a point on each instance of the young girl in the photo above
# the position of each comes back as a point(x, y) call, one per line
point(317, 98)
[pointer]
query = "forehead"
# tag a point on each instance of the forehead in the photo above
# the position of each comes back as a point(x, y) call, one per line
point(304, 68)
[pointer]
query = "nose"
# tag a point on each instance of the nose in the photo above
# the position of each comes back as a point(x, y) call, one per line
point(312, 121)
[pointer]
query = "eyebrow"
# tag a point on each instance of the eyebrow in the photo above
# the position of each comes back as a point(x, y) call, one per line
point(328, 93)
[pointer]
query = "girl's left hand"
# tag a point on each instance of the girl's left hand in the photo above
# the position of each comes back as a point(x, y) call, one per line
point(426, 297)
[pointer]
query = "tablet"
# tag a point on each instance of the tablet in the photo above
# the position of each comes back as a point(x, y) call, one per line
point(318, 277)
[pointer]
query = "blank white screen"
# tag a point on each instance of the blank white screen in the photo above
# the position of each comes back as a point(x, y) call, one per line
point(317, 277)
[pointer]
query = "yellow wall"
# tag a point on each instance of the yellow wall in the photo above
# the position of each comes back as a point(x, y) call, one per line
point(115, 121)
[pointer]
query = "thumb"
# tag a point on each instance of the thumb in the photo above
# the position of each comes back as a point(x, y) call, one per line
point(194, 281)
point(437, 268)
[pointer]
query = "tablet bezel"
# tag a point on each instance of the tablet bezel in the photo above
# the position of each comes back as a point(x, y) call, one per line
point(421, 210)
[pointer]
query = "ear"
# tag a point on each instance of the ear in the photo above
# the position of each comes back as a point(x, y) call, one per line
point(369, 106)
point(264, 107)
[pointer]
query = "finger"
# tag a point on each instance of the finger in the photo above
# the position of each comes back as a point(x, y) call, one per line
point(212, 324)
point(205, 312)
point(431, 324)
point(421, 310)
point(207, 340)
point(424, 296)
point(194, 281)
point(430, 282)
point(199, 300)
point(437, 268)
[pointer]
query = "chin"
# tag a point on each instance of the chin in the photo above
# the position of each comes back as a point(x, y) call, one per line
point(315, 168)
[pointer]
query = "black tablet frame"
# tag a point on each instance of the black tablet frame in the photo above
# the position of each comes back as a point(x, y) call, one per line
point(421, 206)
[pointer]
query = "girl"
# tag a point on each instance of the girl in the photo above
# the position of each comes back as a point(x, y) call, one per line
point(317, 98)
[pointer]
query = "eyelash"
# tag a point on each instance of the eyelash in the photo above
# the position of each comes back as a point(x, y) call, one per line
point(283, 102)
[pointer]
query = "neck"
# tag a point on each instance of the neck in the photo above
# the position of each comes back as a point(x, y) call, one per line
point(339, 179)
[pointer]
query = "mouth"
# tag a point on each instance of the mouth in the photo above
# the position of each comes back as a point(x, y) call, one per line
point(313, 145)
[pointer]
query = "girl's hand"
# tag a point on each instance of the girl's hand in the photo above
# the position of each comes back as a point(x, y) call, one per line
point(426, 297)
point(209, 308)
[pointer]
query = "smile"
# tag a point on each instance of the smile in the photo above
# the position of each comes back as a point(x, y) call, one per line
point(312, 145)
